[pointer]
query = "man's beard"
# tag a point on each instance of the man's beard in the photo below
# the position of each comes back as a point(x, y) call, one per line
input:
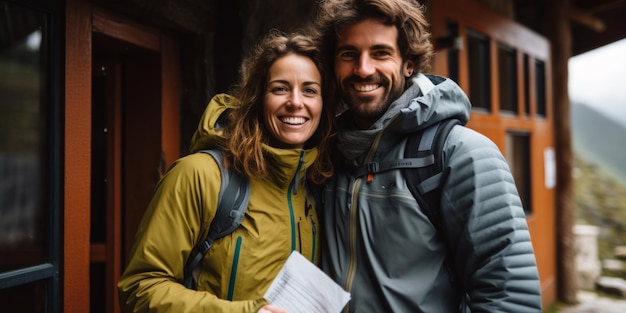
point(362, 107)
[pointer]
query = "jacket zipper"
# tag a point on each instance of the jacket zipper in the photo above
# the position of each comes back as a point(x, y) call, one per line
point(233, 269)
point(353, 206)
point(294, 186)
point(352, 238)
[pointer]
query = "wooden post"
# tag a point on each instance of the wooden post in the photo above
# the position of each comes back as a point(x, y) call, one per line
point(77, 157)
point(558, 30)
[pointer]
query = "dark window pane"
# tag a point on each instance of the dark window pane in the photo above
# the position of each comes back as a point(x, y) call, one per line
point(23, 141)
point(479, 70)
point(540, 87)
point(27, 298)
point(97, 277)
point(452, 31)
point(98, 163)
point(518, 157)
point(507, 78)
point(526, 85)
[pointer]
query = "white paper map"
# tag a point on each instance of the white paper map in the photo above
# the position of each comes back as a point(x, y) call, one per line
point(302, 287)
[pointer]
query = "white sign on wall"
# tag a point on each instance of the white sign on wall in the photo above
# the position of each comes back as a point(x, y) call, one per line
point(549, 160)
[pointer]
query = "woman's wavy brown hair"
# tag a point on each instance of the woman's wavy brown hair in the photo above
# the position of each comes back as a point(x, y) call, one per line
point(406, 15)
point(246, 131)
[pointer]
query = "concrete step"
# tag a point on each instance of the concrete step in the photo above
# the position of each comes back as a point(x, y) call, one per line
point(614, 286)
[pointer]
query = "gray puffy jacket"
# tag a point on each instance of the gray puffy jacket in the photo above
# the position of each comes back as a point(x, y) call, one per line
point(383, 249)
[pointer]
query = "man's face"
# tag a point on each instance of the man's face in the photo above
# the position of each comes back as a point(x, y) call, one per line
point(369, 69)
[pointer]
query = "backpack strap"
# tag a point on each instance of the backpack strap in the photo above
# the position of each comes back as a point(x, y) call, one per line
point(421, 166)
point(425, 182)
point(231, 207)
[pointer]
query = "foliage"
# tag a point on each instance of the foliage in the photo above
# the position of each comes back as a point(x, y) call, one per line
point(600, 200)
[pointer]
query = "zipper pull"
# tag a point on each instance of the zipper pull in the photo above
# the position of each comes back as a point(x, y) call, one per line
point(298, 169)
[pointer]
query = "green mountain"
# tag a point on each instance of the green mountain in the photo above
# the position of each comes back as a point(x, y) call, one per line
point(599, 139)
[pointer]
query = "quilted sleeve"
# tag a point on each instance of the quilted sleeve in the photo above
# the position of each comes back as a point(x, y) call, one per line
point(486, 228)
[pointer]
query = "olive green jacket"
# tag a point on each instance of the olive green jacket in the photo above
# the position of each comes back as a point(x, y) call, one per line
point(240, 267)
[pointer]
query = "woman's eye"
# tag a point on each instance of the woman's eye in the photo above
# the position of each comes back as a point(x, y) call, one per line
point(347, 55)
point(279, 89)
point(311, 91)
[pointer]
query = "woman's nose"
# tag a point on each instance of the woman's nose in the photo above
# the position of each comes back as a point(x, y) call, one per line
point(295, 100)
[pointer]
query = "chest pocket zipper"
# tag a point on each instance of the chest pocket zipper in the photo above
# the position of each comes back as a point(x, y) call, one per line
point(233, 269)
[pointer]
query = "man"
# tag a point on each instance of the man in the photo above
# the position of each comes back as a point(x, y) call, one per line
point(380, 245)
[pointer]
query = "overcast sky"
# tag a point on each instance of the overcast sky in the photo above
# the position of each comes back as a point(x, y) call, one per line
point(598, 78)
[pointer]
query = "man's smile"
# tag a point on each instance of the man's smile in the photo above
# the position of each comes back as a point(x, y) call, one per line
point(365, 87)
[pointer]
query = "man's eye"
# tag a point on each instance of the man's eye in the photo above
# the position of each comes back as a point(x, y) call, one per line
point(381, 53)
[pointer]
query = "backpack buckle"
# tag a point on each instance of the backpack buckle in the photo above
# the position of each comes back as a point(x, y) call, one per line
point(373, 167)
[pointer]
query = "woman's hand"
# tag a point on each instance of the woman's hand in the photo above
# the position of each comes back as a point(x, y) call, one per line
point(271, 309)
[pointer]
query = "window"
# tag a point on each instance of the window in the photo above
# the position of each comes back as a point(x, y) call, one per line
point(452, 31)
point(507, 78)
point(479, 70)
point(29, 297)
point(29, 131)
point(526, 85)
point(518, 157)
point(540, 87)
point(22, 145)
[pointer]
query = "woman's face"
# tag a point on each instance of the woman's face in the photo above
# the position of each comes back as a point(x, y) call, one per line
point(292, 105)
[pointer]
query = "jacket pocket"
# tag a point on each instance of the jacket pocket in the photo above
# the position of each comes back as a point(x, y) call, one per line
point(233, 269)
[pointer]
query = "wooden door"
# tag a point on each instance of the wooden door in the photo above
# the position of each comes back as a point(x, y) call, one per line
point(106, 184)
point(122, 130)
point(126, 156)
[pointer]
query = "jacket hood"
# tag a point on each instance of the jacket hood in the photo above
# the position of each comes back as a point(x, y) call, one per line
point(428, 99)
point(210, 133)
point(211, 126)
point(435, 99)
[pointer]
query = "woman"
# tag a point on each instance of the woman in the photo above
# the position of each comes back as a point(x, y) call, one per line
point(276, 134)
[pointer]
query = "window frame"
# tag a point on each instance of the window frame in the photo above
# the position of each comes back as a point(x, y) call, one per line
point(48, 272)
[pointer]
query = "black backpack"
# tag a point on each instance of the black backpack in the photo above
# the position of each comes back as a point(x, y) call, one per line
point(421, 167)
point(424, 181)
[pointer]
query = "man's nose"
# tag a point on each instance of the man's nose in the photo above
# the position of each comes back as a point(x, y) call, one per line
point(365, 66)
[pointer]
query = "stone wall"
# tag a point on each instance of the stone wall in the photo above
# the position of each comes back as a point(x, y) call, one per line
point(587, 261)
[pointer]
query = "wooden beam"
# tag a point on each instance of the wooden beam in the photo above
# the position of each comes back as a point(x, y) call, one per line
point(559, 33)
point(77, 157)
point(125, 30)
point(606, 6)
point(586, 19)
